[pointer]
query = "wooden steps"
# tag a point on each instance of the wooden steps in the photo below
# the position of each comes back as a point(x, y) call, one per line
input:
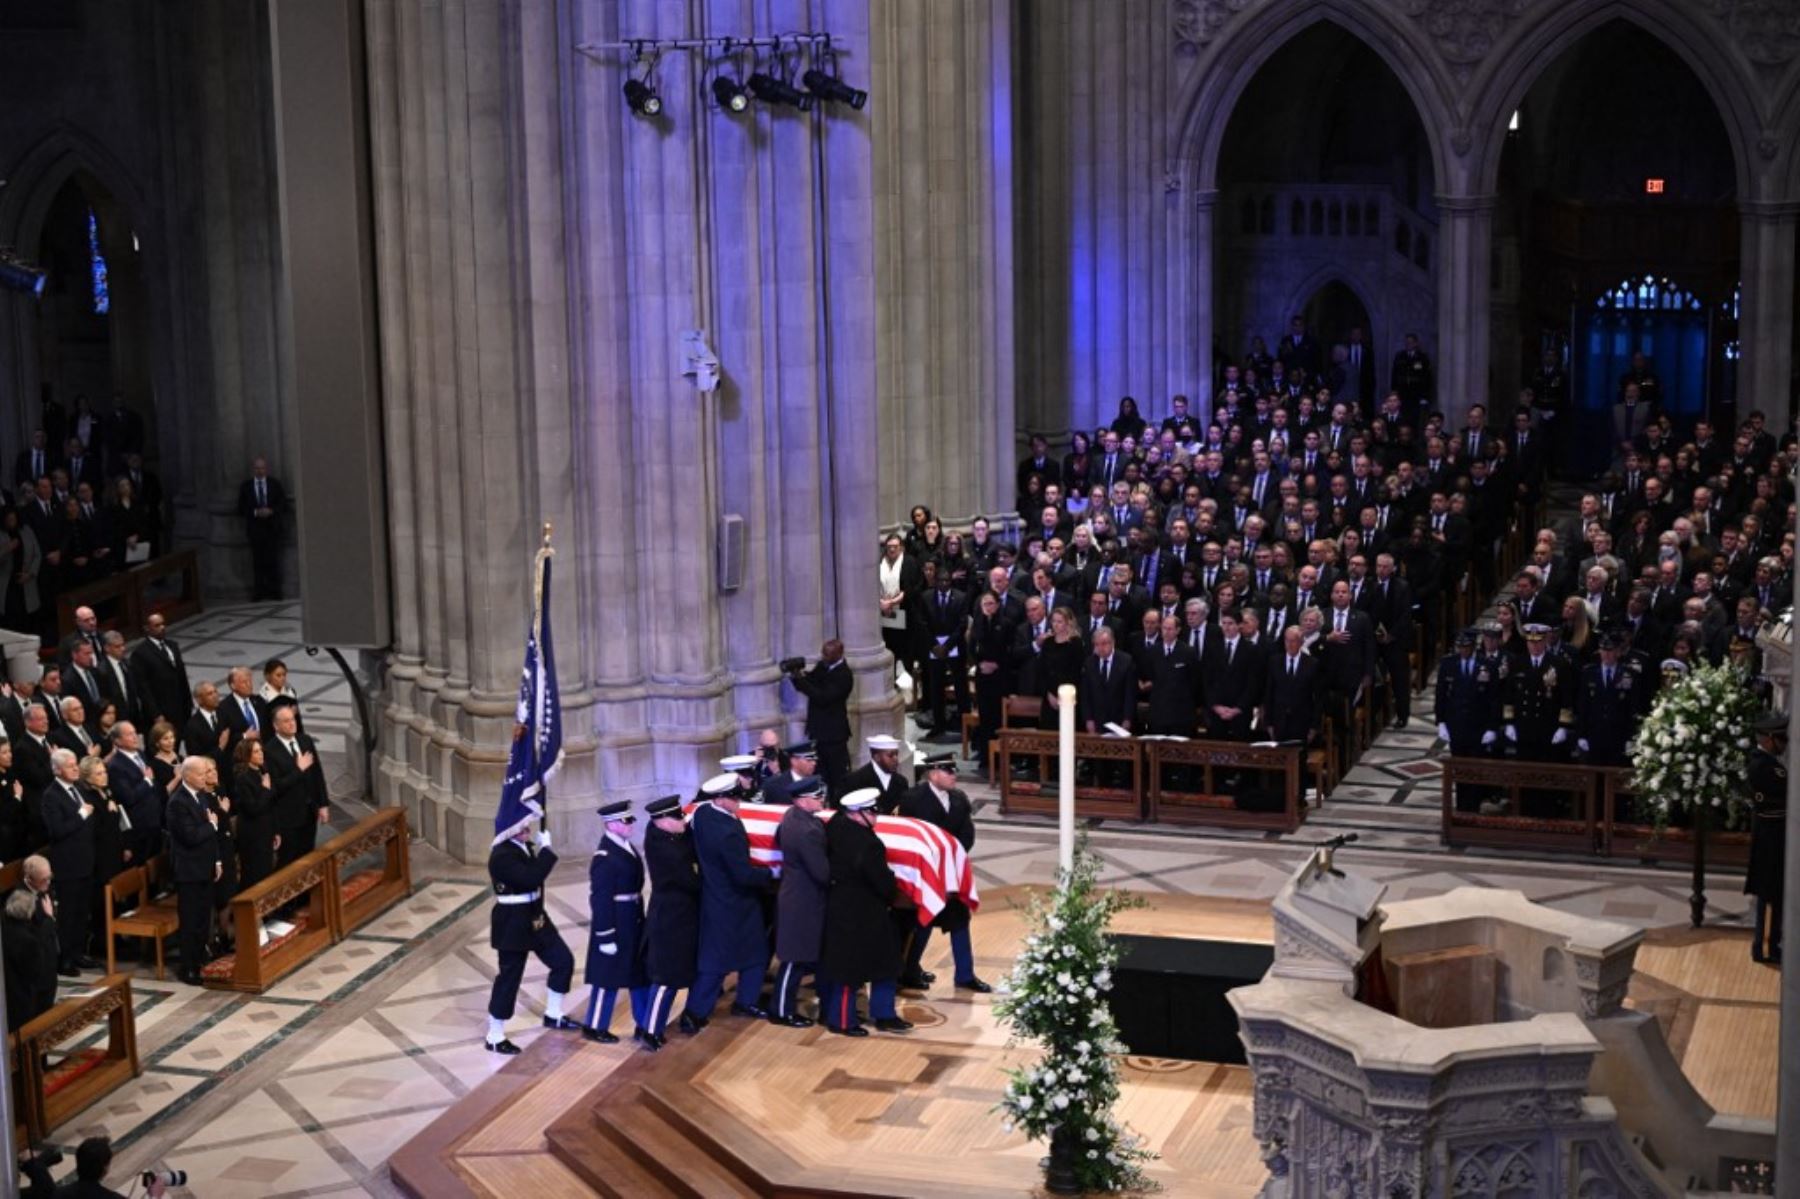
point(681, 1165)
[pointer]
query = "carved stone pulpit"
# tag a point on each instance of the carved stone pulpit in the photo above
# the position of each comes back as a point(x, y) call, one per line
point(1327, 922)
point(1776, 641)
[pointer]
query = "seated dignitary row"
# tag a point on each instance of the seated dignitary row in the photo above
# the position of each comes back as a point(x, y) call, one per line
point(834, 913)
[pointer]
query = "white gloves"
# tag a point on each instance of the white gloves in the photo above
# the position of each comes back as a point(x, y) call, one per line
point(1582, 745)
point(1512, 734)
point(1489, 737)
point(1444, 733)
point(1560, 736)
point(543, 838)
point(610, 948)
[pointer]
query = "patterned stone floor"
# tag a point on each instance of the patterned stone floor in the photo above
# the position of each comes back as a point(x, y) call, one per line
point(306, 1090)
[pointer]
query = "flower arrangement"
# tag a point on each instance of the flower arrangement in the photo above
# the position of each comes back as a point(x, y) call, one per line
point(1693, 750)
point(1057, 995)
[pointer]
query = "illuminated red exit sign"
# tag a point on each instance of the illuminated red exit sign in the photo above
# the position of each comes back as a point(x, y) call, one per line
point(1653, 187)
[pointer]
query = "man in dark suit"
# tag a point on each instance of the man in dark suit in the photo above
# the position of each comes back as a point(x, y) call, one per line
point(1290, 692)
point(1349, 652)
point(119, 684)
point(80, 679)
point(1039, 463)
point(12, 712)
point(196, 862)
point(1169, 680)
point(1233, 687)
point(827, 689)
point(1108, 694)
point(31, 763)
point(881, 772)
point(262, 502)
point(1390, 606)
point(81, 465)
point(242, 711)
point(945, 612)
point(298, 781)
point(72, 734)
point(132, 783)
point(157, 661)
point(87, 629)
point(937, 801)
point(69, 825)
point(34, 462)
point(206, 731)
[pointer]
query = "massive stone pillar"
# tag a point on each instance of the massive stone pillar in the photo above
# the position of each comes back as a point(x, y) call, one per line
point(1766, 308)
point(1195, 362)
point(550, 248)
point(942, 81)
point(1465, 243)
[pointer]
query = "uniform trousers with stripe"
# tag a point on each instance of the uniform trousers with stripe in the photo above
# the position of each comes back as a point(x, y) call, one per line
point(602, 999)
point(840, 1003)
point(787, 986)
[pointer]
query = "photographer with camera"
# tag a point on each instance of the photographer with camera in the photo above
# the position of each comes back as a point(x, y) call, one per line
point(827, 690)
point(93, 1158)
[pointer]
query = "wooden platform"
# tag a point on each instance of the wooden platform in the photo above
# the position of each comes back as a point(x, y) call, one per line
point(747, 1108)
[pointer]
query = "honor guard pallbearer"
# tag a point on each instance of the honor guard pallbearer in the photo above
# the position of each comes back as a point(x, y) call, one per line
point(615, 955)
point(674, 925)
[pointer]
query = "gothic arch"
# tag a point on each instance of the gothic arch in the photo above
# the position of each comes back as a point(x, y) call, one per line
point(1511, 74)
point(1316, 282)
point(33, 181)
point(1219, 80)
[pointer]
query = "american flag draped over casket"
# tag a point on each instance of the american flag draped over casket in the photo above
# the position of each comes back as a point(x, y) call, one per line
point(929, 864)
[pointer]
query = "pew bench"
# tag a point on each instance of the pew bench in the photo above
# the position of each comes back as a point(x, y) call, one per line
point(358, 895)
point(56, 1086)
point(256, 968)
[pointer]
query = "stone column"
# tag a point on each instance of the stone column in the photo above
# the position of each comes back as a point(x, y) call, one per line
point(1465, 243)
point(1766, 308)
point(1197, 364)
point(1787, 1105)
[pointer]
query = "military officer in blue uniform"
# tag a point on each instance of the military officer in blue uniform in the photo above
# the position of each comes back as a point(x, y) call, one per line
point(860, 944)
point(803, 761)
point(1608, 704)
point(751, 770)
point(521, 927)
point(615, 955)
point(732, 937)
point(805, 880)
point(1468, 689)
point(1539, 703)
point(674, 924)
point(1768, 834)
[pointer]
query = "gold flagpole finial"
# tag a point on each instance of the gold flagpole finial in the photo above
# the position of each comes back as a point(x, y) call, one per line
point(546, 534)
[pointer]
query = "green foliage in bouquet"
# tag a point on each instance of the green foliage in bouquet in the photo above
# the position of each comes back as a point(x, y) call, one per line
point(1693, 750)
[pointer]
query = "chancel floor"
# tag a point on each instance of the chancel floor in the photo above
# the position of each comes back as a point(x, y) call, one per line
point(309, 1089)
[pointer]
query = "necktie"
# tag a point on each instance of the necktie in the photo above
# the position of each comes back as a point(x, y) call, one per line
point(262, 499)
point(1105, 670)
point(1468, 668)
point(292, 748)
point(1340, 620)
point(37, 464)
point(72, 794)
point(1606, 676)
point(1293, 667)
point(249, 713)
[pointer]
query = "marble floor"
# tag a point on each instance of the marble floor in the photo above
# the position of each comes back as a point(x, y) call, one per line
point(306, 1090)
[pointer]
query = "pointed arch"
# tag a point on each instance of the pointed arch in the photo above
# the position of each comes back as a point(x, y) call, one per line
point(1217, 85)
point(1316, 282)
point(1509, 77)
point(35, 178)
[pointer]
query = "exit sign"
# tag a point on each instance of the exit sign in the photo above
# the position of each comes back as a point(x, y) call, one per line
point(1653, 187)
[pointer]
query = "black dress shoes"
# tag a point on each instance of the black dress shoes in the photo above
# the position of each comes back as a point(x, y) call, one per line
point(691, 1024)
point(894, 1024)
point(975, 985)
point(914, 982)
point(505, 1047)
point(190, 977)
point(652, 1042)
point(790, 1021)
point(858, 1031)
point(754, 1011)
point(564, 1024)
point(69, 970)
point(600, 1036)
point(87, 963)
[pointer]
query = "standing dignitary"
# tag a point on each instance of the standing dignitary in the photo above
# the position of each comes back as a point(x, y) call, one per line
point(197, 861)
point(827, 690)
point(157, 663)
point(859, 944)
point(28, 943)
point(732, 938)
point(298, 780)
point(1390, 606)
point(1768, 835)
point(69, 823)
point(262, 502)
point(520, 927)
point(674, 924)
point(800, 914)
point(615, 956)
point(937, 801)
point(1290, 693)
point(882, 772)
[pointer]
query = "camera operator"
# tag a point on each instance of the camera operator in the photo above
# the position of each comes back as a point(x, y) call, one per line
point(827, 690)
point(93, 1158)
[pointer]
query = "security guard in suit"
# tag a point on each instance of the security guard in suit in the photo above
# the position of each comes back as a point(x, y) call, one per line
point(615, 954)
point(521, 927)
point(1768, 834)
point(1607, 704)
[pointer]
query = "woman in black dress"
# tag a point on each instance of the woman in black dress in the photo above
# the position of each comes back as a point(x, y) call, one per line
point(165, 763)
point(1129, 423)
point(1059, 662)
point(1075, 465)
point(673, 922)
point(227, 886)
point(255, 803)
point(15, 837)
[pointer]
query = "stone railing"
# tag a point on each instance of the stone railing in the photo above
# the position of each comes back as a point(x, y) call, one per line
point(1346, 213)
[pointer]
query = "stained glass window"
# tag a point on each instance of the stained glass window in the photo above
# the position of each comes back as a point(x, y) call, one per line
point(1649, 292)
point(97, 263)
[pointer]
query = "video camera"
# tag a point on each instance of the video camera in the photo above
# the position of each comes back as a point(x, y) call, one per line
point(791, 665)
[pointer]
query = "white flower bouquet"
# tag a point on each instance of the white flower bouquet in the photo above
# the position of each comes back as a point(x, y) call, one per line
point(1693, 750)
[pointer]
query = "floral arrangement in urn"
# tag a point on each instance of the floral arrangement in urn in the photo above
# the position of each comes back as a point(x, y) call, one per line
point(1056, 995)
point(1693, 750)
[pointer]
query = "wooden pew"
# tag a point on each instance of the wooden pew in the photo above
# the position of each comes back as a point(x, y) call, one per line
point(1209, 804)
point(250, 969)
point(1121, 800)
point(1575, 831)
point(358, 896)
point(55, 1090)
point(124, 599)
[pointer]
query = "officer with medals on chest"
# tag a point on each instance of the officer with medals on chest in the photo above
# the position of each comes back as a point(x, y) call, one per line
point(615, 955)
point(1539, 708)
point(1607, 705)
point(1768, 835)
point(521, 927)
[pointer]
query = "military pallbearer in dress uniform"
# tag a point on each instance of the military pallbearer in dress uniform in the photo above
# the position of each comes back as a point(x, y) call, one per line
point(732, 938)
point(521, 927)
point(674, 924)
point(615, 955)
point(805, 880)
point(1768, 834)
point(860, 944)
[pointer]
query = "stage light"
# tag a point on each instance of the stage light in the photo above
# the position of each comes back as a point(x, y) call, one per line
point(770, 90)
point(19, 275)
point(830, 87)
point(730, 94)
point(642, 98)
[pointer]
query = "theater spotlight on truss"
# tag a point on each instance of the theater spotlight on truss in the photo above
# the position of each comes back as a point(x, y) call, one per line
point(771, 90)
point(18, 275)
point(730, 94)
point(641, 97)
point(830, 87)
